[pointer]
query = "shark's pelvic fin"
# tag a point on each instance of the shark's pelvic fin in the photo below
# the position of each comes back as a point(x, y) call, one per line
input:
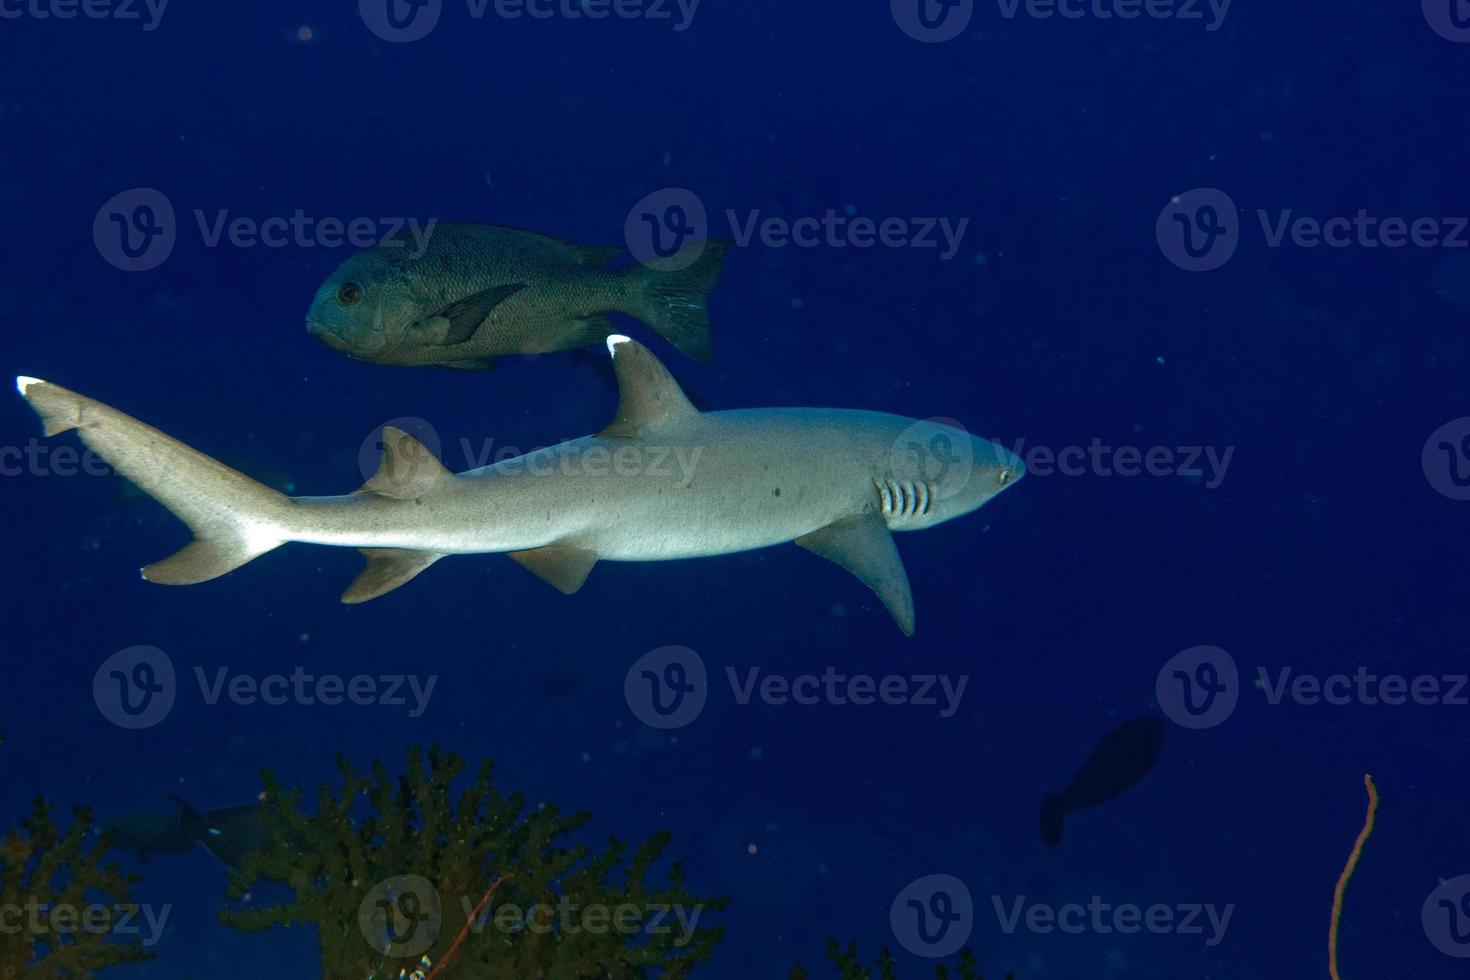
point(386, 570)
point(563, 567)
point(648, 396)
point(864, 546)
point(408, 470)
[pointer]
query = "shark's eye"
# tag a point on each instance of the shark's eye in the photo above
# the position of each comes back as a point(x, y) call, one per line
point(1006, 475)
point(349, 293)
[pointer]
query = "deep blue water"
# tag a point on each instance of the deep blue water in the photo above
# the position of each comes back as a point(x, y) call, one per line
point(1325, 547)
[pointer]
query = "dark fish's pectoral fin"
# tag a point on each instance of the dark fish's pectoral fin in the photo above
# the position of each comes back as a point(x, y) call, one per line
point(466, 315)
point(864, 546)
point(386, 570)
point(563, 567)
point(588, 332)
point(407, 471)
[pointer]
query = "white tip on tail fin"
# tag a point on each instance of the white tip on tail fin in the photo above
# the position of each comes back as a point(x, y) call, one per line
point(613, 340)
point(22, 383)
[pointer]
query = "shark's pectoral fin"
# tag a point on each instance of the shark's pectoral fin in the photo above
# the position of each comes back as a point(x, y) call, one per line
point(386, 570)
point(864, 546)
point(648, 396)
point(563, 567)
point(408, 469)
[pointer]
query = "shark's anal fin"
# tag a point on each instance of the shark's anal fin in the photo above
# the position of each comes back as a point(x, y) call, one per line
point(408, 470)
point(386, 570)
point(563, 567)
point(648, 396)
point(864, 546)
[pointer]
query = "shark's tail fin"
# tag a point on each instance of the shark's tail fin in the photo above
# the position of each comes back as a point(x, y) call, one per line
point(234, 519)
point(674, 293)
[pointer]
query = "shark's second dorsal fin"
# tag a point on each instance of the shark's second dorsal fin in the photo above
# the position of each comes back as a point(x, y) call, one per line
point(408, 470)
point(864, 546)
point(648, 396)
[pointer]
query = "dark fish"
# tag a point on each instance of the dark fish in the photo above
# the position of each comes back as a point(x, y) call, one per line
point(229, 833)
point(1123, 758)
point(461, 295)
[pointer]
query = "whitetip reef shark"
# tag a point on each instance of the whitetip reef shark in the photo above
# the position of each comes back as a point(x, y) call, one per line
point(835, 481)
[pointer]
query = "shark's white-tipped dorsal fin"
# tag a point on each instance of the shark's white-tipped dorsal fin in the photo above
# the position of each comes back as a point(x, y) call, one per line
point(408, 470)
point(23, 382)
point(648, 396)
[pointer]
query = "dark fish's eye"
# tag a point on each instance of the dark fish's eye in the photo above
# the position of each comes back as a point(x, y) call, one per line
point(349, 293)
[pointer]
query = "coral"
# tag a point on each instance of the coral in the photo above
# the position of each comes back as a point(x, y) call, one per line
point(346, 864)
point(849, 968)
point(59, 901)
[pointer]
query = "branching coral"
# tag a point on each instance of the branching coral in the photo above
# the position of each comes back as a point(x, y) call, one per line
point(62, 912)
point(382, 858)
point(850, 968)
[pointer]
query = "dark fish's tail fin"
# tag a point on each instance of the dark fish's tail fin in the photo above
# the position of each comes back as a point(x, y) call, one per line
point(1052, 813)
point(234, 519)
point(673, 300)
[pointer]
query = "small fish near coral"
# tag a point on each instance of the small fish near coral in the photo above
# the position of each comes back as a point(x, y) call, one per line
point(662, 481)
point(471, 293)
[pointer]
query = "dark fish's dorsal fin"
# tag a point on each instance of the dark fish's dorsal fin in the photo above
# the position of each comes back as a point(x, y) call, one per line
point(563, 567)
point(648, 396)
point(593, 256)
point(864, 546)
point(408, 470)
point(192, 824)
point(466, 315)
point(386, 570)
